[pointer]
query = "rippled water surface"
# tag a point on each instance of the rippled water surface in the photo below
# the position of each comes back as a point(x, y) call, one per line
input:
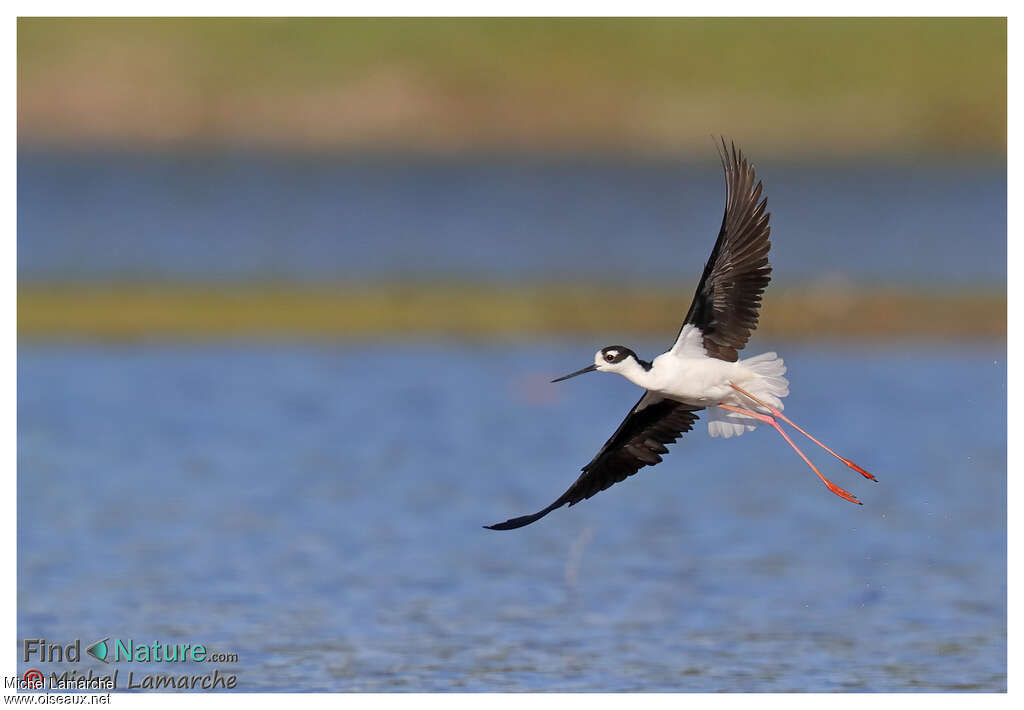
point(317, 510)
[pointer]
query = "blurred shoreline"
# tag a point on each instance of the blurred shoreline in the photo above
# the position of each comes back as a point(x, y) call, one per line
point(890, 87)
point(125, 312)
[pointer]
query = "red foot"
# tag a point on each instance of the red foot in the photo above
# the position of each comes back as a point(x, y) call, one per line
point(858, 469)
point(840, 492)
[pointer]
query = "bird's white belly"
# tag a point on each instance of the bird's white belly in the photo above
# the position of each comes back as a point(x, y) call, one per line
point(699, 381)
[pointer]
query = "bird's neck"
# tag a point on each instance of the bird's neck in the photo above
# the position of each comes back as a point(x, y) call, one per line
point(638, 372)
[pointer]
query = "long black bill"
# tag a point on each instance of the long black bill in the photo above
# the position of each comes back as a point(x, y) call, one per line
point(588, 368)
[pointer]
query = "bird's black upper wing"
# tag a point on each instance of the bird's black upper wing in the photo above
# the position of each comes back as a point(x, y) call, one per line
point(639, 441)
point(725, 306)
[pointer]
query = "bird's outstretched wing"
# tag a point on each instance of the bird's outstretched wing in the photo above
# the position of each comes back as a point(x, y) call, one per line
point(639, 441)
point(725, 306)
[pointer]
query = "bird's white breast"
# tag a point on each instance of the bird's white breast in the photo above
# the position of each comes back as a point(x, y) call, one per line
point(695, 380)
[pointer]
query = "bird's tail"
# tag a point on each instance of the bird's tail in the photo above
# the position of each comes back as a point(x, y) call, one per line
point(768, 383)
point(771, 384)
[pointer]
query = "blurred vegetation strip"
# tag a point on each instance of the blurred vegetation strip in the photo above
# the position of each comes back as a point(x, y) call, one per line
point(823, 86)
point(429, 311)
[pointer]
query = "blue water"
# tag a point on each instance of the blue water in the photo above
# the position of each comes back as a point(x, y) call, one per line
point(211, 216)
point(317, 510)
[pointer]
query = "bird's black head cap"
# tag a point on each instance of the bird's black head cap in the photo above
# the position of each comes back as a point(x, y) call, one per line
point(616, 353)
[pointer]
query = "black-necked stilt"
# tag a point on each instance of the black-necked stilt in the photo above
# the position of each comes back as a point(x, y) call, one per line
point(702, 369)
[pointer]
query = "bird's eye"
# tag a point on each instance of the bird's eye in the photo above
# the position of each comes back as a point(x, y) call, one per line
point(609, 357)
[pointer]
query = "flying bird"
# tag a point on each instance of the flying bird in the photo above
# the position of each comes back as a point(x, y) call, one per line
point(702, 369)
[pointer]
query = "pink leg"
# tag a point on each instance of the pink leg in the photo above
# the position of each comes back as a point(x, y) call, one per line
point(769, 420)
point(786, 419)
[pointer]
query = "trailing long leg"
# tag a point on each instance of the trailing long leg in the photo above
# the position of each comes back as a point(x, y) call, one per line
point(771, 421)
point(786, 419)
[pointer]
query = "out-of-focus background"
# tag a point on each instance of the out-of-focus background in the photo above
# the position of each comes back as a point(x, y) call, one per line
point(291, 290)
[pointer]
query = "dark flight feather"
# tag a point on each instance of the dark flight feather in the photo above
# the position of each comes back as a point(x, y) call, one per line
point(728, 298)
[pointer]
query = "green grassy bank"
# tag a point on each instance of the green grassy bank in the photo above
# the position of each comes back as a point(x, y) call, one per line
point(129, 312)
